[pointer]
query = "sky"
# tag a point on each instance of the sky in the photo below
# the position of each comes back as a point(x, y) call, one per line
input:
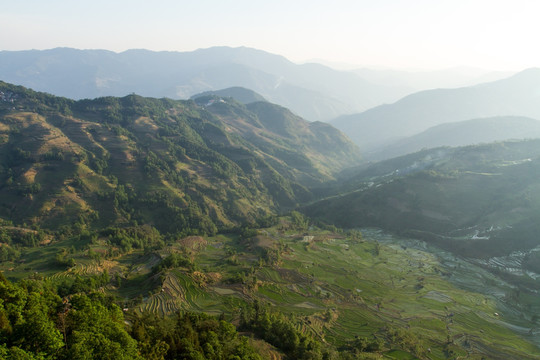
point(403, 34)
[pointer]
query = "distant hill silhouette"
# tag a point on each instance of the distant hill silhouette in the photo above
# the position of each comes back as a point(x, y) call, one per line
point(313, 91)
point(518, 95)
point(468, 132)
point(418, 80)
point(240, 94)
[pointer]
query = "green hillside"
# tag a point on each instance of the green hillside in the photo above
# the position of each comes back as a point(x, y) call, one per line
point(176, 165)
point(240, 94)
point(480, 201)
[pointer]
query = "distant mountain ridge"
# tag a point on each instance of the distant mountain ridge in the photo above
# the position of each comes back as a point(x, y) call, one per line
point(240, 94)
point(461, 133)
point(434, 79)
point(518, 95)
point(312, 91)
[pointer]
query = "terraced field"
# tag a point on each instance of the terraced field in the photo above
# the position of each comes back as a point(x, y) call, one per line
point(168, 300)
point(340, 290)
point(335, 288)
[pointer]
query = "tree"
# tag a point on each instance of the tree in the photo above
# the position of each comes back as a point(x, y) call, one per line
point(299, 220)
point(37, 333)
point(97, 331)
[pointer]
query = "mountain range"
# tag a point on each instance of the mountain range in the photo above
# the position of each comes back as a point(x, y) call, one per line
point(372, 130)
point(313, 91)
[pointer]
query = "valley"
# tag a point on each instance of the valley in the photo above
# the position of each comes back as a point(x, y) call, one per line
point(255, 180)
point(243, 214)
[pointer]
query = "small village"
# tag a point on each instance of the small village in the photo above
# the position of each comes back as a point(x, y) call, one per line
point(8, 96)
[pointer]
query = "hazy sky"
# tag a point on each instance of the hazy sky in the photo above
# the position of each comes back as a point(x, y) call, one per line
point(492, 34)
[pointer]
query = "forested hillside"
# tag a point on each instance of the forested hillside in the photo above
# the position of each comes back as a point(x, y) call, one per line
point(478, 201)
point(180, 166)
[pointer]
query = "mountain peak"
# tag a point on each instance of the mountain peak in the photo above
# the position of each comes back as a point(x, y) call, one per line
point(529, 75)
point(238, 93)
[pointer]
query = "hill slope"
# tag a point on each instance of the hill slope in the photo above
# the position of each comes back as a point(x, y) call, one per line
point(168, 163)
point(479, 201)
point(312, 91)
point(240, 94)
point(461, 133)
point(373, 129)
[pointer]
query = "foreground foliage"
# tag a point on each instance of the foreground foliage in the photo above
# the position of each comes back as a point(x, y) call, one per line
point(35, 323)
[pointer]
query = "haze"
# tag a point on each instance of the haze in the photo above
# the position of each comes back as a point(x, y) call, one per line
point(419, 34)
